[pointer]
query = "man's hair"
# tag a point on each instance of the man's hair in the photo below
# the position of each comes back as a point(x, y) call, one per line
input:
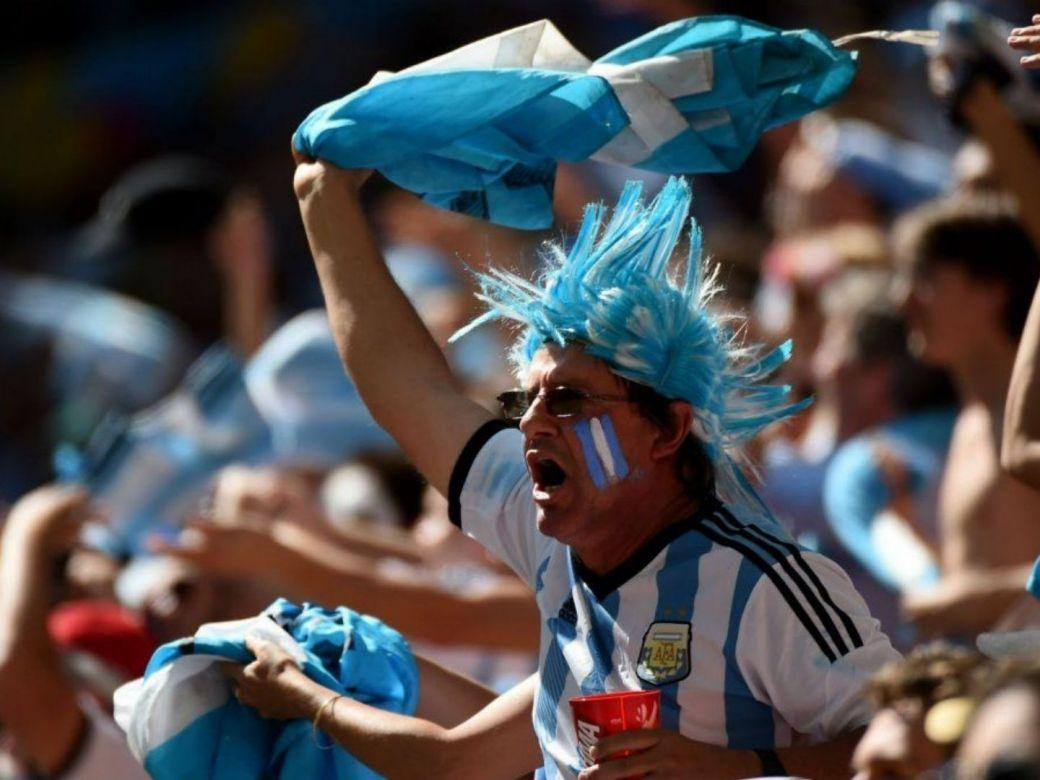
point(880, 335)
point(983, 236)
point(694, 468)
point(929, 673)
point(625, 295)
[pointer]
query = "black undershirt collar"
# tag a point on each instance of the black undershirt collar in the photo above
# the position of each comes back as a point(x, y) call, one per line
point(602, 585)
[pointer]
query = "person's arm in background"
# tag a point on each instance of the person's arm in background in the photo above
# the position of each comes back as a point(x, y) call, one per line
point(241, 248)
point(38, 704)
point(398, 369)
point(967, 603)
point(1017, 165)
point(242, 494)
point(496, 742)
point(305, 566)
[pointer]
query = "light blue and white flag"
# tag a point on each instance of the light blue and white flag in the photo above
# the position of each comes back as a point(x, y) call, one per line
point(182, 721)
point(479, 130)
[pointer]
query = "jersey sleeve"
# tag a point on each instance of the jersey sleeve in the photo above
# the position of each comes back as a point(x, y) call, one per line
point(490, 497)
point(808, 646)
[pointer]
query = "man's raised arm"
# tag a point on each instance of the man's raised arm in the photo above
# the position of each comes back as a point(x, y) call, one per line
point(398, 369)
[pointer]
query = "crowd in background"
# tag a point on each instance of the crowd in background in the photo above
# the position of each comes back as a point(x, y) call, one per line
point(160, 349)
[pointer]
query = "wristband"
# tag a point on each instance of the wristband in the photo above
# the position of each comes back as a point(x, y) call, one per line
point(771, 764)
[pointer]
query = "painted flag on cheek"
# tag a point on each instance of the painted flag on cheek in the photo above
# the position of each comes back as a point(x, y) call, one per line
point(602, 451)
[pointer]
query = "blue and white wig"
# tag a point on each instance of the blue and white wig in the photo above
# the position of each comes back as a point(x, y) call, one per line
point(615, 294)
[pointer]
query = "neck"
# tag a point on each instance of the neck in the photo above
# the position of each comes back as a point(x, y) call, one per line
point(632, 526)
point(982, 376)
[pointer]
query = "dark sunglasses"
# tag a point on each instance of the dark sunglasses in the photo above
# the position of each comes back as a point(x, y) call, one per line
point(559, 401)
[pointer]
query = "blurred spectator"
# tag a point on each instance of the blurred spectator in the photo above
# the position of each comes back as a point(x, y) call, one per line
point(56, 726)
point(177, 234)
point(811, 287)
point(897, 743)
point(881, 486)
point(973, 271)
point(1003, 737)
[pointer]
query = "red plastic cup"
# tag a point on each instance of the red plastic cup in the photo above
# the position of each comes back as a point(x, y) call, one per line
point(604, 714)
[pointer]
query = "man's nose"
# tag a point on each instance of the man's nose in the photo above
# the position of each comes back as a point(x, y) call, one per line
point(536, 420)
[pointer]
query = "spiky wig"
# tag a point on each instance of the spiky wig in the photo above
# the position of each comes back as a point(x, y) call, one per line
point(615, 294)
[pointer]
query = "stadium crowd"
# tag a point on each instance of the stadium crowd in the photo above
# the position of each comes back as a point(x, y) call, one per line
point(180, 445)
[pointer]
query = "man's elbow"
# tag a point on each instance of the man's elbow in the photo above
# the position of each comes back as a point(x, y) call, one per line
point(1018, 459)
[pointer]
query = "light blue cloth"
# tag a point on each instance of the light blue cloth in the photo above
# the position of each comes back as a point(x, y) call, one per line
point(351, 654)
point(855, 490)
point(484, 140)
point(1033, 586)
point(291, 404)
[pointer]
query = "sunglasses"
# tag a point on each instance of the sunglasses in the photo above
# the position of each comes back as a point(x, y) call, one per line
point(559, 401)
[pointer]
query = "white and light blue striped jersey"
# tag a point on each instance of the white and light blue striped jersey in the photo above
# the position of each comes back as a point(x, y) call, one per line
point(752, 641)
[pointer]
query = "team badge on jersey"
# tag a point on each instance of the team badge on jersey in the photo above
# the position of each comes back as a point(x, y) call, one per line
point(665, 655)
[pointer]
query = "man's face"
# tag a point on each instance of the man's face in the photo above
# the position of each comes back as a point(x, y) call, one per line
point(895, 745)
point(589, 468)
point(949, 313)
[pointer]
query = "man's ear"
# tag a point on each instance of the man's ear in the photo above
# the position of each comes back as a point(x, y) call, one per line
point(671, 436)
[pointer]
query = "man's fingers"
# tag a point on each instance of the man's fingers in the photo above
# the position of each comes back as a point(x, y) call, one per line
point(1031, 62)
point(299, 157)
point(630, 766)
point(1027, 39)
point(258, 646)
point(635, 739)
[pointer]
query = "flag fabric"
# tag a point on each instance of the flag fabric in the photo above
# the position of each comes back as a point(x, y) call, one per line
point(181, 719)
point(479, 130)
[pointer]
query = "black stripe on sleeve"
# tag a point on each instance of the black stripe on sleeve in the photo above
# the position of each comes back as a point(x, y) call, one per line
point(778, 581)
point(796, 553)
point(462, 466)
point(781, 558)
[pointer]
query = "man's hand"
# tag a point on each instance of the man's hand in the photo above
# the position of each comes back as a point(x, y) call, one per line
point(1027, 39)
point(243, 494)
point(49, 518)
point(274, 685)
point(245, 549)
point(668, 754)
point(310, 172)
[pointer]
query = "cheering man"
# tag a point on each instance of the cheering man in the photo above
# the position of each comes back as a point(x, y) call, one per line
point(619, 497)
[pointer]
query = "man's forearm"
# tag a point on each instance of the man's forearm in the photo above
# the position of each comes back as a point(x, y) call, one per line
point(37, 704)
point(1020, 448)
point(502, 617)
point(496, 742)
point(25, 572)
point(398, 369)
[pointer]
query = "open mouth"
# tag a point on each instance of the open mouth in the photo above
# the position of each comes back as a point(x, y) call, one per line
point(547, 474)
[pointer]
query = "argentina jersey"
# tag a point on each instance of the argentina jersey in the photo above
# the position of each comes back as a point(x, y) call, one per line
point(752, 642)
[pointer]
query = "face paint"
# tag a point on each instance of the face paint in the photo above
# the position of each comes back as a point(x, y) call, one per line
point(603, 456)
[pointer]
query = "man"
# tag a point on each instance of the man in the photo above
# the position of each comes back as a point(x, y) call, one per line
point(606, 500)
point(974, 269)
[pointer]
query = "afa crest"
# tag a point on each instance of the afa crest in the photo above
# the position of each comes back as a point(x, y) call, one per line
point(665, 654)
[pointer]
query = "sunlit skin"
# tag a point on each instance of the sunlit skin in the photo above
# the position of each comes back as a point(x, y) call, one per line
point(604, 527)
point(953, 315)
point(1006, 728)
point(895, 745)
point(987, 519)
